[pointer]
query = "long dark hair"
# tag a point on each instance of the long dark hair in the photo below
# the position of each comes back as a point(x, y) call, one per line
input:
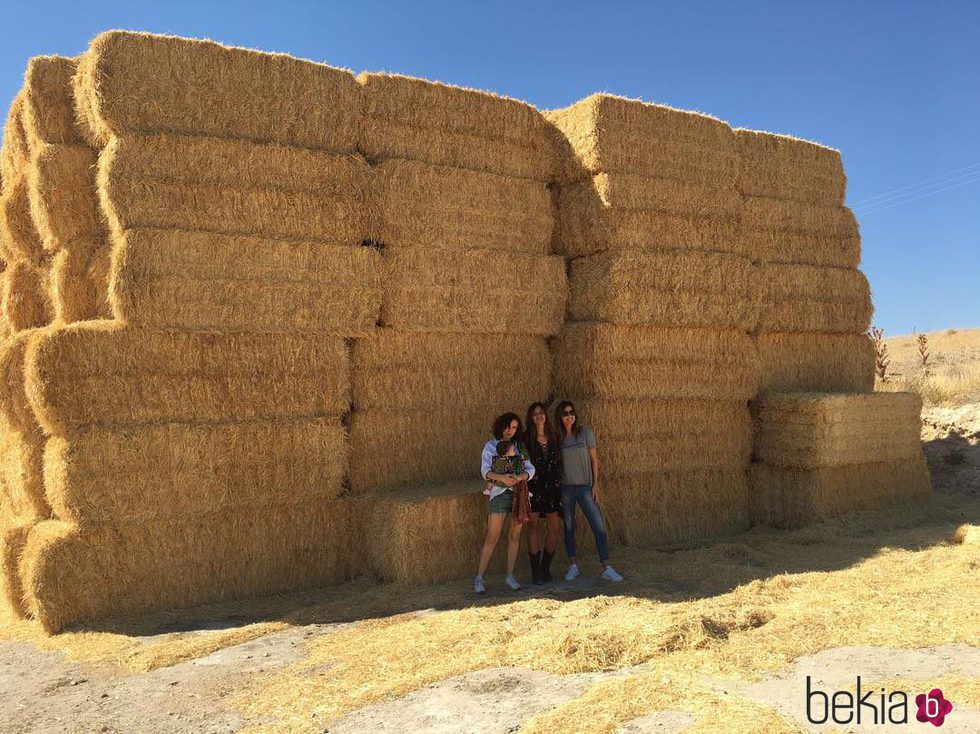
point(576, 426)
point(531, 431)
point(503, 420)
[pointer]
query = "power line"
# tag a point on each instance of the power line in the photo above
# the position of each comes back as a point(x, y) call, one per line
point(921, 195)
point(924, 183)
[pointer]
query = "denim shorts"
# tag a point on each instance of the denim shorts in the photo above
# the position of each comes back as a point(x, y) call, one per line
point(503, 503)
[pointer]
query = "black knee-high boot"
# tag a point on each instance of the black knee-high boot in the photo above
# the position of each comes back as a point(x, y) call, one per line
point(536, 567)
point(546, 566)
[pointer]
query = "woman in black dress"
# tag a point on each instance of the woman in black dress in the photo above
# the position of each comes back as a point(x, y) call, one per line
point(543, 445)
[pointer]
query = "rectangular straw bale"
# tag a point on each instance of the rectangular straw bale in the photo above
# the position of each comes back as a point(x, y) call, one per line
point(14, 152)
point(402, 525)
point(675, 288)
point(617, 135)
point(446, 125)
point(392, 449)
point(81, 574)
point(639, 418)
point(809, 430)
point(13, 539)
point(401, 370)
point(421, 205)
point(798, 298)
point(612, 361)
point(233, 187)
point(785, 167)
point(214, 282)
point(78, 284)
point(676, 452)
point(587, 225)
point(20, 237)
point(24, 297)
point(784, 215)
point(144, 473)
point(239, 164)
point(99, 373)
point(660, 508)
point(815, 362)
point(140, 83)
point(64, 202)
point(479, 291)
point(791, 498)
point(806, 248)
point(49, 108)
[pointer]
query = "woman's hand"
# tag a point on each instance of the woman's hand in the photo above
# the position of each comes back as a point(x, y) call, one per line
point(595, 494)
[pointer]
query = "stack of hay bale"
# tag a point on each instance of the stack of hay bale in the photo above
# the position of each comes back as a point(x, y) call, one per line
point(195, 448)
point(815, 305)
point(463, 214)
point(821, 455)
point(657, 355)
point(821, 446)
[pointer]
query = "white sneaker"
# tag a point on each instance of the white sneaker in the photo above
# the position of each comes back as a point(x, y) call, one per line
point(478, 586)
point(512, 583)
point(610, 574)
point(572, 573)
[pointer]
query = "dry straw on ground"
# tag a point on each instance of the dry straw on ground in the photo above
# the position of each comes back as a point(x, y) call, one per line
point(75, 574)
point(636, 362)
point(811, 430)
point(403, 370)
point(788, 498)
point(675, 288)
point(102, 374)
point(817, 362)
point(421, 205)
point(468, 291)
point(139, 83)
point(204, 281)
point(445, 125)
point(189, 472)
point(784, 167)
point(804, 298)
point(601, 131)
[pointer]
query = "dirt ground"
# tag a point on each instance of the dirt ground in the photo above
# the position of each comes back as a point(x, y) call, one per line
point(316, 662)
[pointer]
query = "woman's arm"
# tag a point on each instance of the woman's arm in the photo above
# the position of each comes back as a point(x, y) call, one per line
point(594, 460)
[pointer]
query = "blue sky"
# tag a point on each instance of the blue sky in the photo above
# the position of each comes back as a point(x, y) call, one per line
point(892, 84)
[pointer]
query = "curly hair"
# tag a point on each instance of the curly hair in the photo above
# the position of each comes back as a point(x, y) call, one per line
point(502, 421)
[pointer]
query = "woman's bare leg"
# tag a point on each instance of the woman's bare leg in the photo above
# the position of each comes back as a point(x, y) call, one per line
point(534, 535)
point(552, 523)
point(495, 524)
point(513, 546)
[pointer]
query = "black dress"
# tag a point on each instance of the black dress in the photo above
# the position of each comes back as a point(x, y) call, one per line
point(545, 487)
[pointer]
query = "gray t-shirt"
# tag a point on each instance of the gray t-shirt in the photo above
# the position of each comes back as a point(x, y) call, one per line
point(576, 466)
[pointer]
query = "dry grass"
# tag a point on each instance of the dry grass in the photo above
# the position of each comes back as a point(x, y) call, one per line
point(952, 375)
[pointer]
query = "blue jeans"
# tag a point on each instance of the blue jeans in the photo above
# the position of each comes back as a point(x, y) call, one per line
point(582, 494)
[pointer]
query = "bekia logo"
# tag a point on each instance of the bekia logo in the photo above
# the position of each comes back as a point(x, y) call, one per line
point(873, 706)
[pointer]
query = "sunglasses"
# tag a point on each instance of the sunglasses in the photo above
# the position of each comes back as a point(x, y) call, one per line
point(568, 412)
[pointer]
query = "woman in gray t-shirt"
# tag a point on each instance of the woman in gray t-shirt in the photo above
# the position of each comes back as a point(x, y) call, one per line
point(580, 485)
